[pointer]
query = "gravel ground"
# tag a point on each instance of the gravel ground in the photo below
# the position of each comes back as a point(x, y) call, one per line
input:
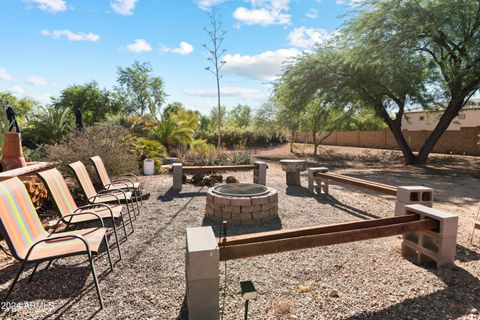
point(362, 280)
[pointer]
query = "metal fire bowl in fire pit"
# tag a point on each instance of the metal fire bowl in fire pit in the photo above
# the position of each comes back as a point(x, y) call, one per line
point(241, 190)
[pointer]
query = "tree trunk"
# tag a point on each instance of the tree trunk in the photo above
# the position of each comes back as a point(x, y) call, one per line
point(396, 129)
point(315, 144)
point(292, 141)
point(454, 106)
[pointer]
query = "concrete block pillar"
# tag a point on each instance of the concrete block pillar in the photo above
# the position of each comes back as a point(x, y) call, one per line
point(260, 173)
point(412, 195)
point(312, 184)
point(202, 274)
point(437, 246)
point(177, 176)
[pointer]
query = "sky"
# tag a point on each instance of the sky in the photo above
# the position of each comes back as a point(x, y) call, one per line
point(48, 45)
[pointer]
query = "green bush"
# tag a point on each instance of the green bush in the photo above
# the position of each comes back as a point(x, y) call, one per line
point(149, 149)
point(111, 142)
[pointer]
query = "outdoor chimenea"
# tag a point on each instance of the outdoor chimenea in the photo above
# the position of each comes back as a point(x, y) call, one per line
point(12, 153)
point(242, 203)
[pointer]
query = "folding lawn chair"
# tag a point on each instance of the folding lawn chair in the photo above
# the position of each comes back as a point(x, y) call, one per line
point(66, 206)
point(123, 183)
point(102, 196)
point(29, 242)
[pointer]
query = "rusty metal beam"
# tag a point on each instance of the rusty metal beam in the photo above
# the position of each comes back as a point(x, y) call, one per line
point(375, 186)
point(239, 251)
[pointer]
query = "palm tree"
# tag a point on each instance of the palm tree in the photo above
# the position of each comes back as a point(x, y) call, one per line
point(174, 130)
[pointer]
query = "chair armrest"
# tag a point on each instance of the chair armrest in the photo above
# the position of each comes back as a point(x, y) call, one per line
point(104, 194)
point(77, 214)
point(117, 182)
point(70, 236)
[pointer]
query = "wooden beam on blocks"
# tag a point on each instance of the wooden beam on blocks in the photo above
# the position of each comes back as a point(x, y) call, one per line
point(202, 274)
point(250, 246)
point(437, 245)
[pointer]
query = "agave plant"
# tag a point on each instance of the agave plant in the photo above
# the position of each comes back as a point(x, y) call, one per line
point(51, 125)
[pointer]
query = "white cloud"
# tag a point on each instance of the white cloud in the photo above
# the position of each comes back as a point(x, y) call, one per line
point(4, 75)
point(71, 36)
point(36, 81)
point(264, 66)
point(123, 7)
point(312, 13)
point(139, 46)
point(264, 12)
point(208, 4)
point(52, 6)
point(17, 91)
point(249, 94)
point(304, 37)
point(184, 48)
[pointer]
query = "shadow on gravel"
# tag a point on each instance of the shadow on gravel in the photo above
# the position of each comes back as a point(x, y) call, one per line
point(330, 200)
point(465, 254)
point(456, 300)
point(445, 185)
point(234, 230)
point(297, 191)
point(182, 313)
point(172, 194)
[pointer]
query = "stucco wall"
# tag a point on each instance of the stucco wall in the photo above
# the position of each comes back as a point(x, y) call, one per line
point(463, 141)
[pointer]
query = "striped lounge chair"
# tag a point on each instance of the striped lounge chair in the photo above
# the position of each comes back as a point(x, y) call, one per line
point(30, 243)
point(127, 181)
point(103, 196)
point(66, 206)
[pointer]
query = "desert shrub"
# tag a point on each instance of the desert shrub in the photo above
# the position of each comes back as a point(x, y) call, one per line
point(239, 155)
point(111, 142)
point(200, 149)
point(250, 136)
point(148, 148)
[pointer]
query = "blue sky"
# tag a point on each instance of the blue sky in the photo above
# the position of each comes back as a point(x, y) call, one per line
point(50, 44)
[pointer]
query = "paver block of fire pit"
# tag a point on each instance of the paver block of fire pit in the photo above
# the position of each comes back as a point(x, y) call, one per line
point(241, 202)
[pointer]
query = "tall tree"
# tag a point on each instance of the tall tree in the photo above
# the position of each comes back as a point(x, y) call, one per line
point(140, 90)
point(215, 54)
point(240, 116)
point(446, 33)
point(88, 102)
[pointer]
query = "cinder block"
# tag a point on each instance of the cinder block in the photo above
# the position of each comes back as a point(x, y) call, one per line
point(203, 299)
point(260, 173)
point(415, 194)
point(311, 178)
point(177, 176)
point(202, 259)
point(448, 222)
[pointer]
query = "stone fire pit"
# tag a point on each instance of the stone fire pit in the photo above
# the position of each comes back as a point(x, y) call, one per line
point(242, 203)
